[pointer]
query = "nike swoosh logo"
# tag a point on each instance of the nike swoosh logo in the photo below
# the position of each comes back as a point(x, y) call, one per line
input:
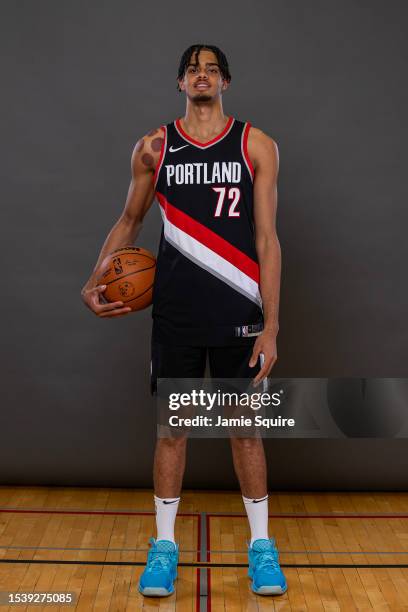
point(170, 502)
point(256, 501)
point(173, 150)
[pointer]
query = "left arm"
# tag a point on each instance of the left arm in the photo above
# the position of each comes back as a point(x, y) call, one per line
point(264, 155)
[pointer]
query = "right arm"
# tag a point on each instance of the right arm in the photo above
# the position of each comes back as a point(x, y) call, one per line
point(145, 157)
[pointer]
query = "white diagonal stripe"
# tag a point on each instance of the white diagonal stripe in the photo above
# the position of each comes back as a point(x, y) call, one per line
point(211, 261)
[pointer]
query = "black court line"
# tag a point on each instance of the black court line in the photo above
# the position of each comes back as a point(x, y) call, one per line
point(210, 564)
point(135, 512)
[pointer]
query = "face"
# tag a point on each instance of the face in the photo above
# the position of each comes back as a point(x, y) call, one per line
point(203, 81)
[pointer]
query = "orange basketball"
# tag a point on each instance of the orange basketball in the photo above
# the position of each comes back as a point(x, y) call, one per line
point(128, 274)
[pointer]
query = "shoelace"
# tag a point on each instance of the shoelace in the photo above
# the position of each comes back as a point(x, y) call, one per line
point(158, 561)
point(267, 557)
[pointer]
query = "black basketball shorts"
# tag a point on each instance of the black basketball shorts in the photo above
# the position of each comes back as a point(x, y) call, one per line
point(168, 361)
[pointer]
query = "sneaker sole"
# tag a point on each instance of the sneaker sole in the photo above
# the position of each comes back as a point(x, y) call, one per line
point(155, 592)
point(269, 590)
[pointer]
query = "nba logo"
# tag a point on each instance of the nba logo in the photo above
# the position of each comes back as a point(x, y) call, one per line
point(117, 264)
point(244, 330)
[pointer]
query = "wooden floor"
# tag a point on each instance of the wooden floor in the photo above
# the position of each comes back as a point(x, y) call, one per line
point(339, 551)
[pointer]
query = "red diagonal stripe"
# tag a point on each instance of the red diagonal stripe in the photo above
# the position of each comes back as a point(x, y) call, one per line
point(209, 239)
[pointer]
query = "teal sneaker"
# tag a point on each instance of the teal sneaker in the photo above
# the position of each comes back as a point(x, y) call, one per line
point(264, 569)
point(161, 569)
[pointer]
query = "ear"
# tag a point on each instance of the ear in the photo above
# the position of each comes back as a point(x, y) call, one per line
point(225, 85)
point(181, 84)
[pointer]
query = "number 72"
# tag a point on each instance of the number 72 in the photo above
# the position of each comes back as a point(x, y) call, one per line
point(234, 194)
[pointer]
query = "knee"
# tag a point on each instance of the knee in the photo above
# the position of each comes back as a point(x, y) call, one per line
point(246, 444)
point(172, 443)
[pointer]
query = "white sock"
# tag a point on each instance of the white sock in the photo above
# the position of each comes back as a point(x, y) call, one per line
point(257, 511)
point(166, 510)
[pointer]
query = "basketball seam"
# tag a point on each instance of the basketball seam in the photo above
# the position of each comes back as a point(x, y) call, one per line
point(139, 254)
point(127, 274)
point(138, 296)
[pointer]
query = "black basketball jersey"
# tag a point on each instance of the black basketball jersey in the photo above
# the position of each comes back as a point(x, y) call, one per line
point(206, 289)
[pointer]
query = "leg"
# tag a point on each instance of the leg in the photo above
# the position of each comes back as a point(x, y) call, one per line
point(168, 471)
point(248, 453)
point(250, 468)
point(169, 463)
point(170, 455)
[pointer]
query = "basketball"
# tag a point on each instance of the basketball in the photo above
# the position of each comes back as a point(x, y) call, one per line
point(128, 274)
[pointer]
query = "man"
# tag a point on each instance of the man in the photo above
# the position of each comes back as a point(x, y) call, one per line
point(216, 289)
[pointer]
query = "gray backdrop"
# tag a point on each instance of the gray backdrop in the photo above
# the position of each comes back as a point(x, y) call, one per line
point(81, 83)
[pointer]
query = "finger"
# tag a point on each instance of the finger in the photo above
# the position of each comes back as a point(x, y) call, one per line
point(108, 306)
point(259, 377)
point(115, 313)
point(96, 290)
point(271, 366)
point(98, 294)
point(254, 356)
point(263, 372)
point(121, 314)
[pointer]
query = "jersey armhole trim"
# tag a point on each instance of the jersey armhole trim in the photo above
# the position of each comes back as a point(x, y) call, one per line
point(161, 158)
point(244, 149)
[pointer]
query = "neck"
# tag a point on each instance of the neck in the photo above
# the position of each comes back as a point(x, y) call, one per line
point(204, 119)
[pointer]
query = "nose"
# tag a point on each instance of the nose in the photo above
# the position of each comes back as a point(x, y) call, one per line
point(202, 73)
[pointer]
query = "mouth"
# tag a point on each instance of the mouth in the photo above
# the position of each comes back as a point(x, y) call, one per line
point(202, 86)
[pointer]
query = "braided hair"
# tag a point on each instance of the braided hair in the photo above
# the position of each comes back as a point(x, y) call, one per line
point(195, 50)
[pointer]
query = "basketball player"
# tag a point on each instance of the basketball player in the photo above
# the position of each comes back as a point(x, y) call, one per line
point(216, 289)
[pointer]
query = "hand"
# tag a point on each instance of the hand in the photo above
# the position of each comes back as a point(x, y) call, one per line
point(266, 344)
point(92, 299)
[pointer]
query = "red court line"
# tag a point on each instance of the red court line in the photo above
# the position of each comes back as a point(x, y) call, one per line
point(107, 512)
point(198, 584)
point(304, 516)
point(311, 516)
point(198, 538)
point(207, 518)
point(198, 579)
point(196, 515)
point(208, 589)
